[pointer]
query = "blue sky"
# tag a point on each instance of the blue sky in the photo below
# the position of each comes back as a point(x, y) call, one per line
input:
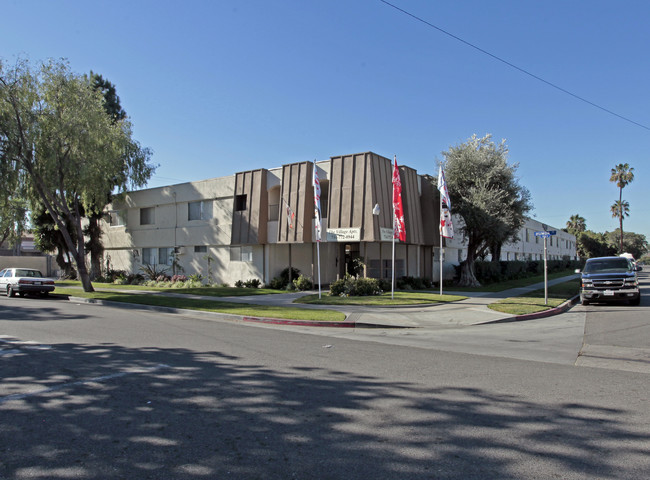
point(216, 87)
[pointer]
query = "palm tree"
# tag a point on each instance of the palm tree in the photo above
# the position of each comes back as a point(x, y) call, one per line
point(576, 224)
point(619, 210)
point(622, 175)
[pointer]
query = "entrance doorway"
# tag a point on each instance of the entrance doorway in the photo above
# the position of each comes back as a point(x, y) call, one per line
point(350, 252)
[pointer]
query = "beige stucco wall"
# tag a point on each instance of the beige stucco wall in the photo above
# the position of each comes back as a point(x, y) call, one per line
point(46, 264)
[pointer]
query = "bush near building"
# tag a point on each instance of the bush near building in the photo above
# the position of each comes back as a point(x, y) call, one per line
point(502, 271)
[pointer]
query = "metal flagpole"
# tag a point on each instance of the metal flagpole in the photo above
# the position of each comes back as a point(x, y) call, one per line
point(318, 255)
point(392, 288)
point(441, 249)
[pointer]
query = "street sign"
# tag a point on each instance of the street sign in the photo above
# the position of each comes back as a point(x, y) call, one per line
point(546, 234)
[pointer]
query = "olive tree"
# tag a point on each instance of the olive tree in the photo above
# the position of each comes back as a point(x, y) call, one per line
point(65, 149)
point(486, 194)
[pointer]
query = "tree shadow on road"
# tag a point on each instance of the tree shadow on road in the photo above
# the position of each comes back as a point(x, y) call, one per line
point(101, 411)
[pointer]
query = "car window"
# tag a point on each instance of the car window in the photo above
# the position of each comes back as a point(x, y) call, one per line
point(608, 265)
point(23, 272)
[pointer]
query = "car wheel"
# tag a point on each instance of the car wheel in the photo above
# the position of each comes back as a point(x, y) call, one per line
point(584, 301)
point(10, 292)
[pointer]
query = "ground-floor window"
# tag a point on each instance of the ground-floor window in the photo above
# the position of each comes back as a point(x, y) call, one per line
point(384, 269)
point(241, 254)
point(157, 256)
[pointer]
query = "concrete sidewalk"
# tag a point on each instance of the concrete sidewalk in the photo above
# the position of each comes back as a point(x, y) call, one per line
point(471, 311)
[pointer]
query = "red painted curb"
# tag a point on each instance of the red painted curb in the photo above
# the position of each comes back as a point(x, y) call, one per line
point(547, 313)
point(303, 323)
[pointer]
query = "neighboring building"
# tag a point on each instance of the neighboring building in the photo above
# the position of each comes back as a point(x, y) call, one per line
point(25, 254)
point(256, 223)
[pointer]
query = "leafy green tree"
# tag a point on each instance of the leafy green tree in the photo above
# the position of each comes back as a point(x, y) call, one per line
point(485, 192)
point(592, 244)
point(57, 136)
point(48, 238)
point(622, 174)
point(93, 230)
point(634, 243)
point(576, 225)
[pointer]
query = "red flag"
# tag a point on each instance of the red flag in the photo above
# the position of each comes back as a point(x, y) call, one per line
point(399, 230)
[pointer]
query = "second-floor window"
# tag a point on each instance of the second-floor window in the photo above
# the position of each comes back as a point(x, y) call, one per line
point(240, 202)
point(115, 218)
point(148, 216)
point(198, 211)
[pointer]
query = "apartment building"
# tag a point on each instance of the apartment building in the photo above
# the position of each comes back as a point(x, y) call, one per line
point(256, 223)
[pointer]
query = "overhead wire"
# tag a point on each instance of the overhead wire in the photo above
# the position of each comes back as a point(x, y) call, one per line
point(512, 65)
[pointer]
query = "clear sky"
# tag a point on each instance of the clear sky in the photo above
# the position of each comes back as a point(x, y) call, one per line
point(217, 87)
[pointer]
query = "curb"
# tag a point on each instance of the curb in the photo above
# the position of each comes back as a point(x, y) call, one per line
point(546, 313)
point(301, 323)
point(203, 313)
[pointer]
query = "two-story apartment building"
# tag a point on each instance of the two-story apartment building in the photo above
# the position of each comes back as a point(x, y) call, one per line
point(256, 223)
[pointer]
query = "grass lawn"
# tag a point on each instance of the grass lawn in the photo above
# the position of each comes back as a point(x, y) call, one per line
point(207, 291)
point(248, 310)
point(498, 287)
point(533, 302)
point(401, 298)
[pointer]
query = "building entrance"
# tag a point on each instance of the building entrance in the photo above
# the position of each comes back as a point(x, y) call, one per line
point(350, 253)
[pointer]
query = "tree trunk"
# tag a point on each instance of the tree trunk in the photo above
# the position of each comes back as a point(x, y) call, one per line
point(95, 245)
point(83, 273)
point(467, 276)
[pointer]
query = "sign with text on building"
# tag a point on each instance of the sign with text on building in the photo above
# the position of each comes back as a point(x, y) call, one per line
point(343, 234)
point(386, 234)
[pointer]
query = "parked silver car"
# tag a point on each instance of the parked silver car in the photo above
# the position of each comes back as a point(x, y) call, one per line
point(24, 280)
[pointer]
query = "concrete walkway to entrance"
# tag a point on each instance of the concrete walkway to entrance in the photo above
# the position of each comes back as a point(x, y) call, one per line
point(474, 310)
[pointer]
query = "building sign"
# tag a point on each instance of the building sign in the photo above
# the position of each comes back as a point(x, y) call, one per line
point(386, 234)
point(343, 234)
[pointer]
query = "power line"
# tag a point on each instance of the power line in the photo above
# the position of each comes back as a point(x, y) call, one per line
point(485, 52)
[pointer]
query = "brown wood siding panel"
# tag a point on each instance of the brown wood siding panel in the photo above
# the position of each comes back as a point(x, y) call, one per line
point(412, 206)
point(382, 175)
point(430, 201)
point(249, 225)
point(296, 189)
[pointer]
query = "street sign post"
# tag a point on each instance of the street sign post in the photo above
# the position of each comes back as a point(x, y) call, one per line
point(546, 234)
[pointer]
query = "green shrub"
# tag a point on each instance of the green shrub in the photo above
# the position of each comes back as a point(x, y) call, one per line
point(276, 283)
point(252, 283)
point(303, 283)
point(239, 284)
point(367, 286)
point(350, 286)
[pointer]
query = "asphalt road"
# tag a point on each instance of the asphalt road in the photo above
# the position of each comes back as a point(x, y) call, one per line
point(95, 392)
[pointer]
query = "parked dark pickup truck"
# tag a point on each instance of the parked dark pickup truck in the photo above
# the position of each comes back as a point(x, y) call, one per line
point(606, 279)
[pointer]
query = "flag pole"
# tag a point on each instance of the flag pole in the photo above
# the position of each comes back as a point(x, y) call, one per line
point(317, 222)
point(392, 283)
point(318, 256)
point(442, 250)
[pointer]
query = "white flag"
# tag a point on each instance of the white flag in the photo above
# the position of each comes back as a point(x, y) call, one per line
point(442, 187)
point(446, 225)
point(316, 184)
